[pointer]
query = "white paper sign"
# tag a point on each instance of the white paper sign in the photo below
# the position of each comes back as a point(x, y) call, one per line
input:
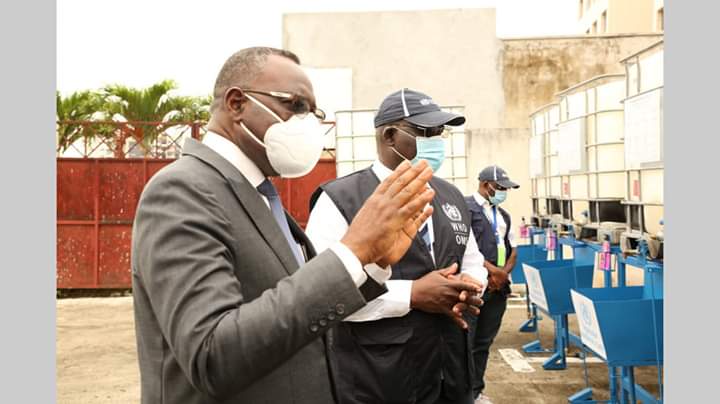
point(535, 286)
point(590, 334)
point(643, 129)
point(571, 146)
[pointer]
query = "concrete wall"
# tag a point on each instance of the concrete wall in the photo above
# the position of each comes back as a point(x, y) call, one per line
point(454, 56)
point(535, 69)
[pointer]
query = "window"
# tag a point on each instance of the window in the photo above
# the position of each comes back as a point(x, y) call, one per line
point(603, 22)
point(660, 24)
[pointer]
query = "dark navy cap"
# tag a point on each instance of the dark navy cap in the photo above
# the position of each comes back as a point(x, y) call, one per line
point(498, 175)
point(414, 107)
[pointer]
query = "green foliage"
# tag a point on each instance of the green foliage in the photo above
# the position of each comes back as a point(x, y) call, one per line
point(190, 109)
point(155, 106)
point(79, 106)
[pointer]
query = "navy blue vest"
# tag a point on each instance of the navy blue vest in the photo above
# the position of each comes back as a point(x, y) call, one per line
point(483, 231)
point(400, 360)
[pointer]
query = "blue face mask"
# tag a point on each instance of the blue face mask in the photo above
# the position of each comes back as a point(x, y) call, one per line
point(498, 198)
point(431, 149)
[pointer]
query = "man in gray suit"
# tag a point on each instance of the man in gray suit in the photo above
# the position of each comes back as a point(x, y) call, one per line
point(231, 301)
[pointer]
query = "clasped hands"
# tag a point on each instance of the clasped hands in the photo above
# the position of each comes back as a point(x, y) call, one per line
point(384, 228)
point(444, 291)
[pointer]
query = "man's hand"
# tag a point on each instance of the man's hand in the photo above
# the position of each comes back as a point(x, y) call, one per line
point(385, 226)
point(474, 300)
point(469, 279)
point(437, 293)
point(497, 277)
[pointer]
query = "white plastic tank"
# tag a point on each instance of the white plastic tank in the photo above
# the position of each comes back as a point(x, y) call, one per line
point(591, 147)
point(644, 154)
point(544, 160)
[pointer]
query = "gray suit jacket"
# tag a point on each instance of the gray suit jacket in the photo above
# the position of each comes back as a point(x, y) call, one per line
point(223, 314)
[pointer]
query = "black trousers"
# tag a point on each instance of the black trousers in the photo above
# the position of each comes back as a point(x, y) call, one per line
point(486, 327)
point(462, 400)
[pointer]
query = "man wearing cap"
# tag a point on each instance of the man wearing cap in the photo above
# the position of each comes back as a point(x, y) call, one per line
point(406, 346)
point(492, 228)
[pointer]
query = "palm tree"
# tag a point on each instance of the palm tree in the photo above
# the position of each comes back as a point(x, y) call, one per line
point(78, 106)
point(152, 104)
point(147, 113)
point(190, 109)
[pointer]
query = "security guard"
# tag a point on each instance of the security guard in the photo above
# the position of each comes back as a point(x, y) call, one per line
point(404, 346)
point(492, 227)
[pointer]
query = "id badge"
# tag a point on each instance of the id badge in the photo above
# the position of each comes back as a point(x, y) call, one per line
point(501, 256)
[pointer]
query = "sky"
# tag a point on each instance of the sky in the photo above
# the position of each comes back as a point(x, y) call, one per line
point(141, 42)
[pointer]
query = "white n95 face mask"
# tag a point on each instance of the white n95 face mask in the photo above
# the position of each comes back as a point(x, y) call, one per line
point(294, 146)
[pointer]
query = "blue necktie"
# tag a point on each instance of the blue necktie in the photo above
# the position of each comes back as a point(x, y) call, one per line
point(268, 190)
point(425, 236)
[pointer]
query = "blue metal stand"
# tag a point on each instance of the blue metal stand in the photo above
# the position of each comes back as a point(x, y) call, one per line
point(563, 337)
point(653, 289)
point(531, 324)
point(623, 388)
point(633, 391)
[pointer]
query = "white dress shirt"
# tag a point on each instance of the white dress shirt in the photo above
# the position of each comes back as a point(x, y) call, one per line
point(230, 152)
point(326, 225)
point(501, 225)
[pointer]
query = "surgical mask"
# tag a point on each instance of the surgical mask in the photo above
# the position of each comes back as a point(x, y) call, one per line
point(499, 197)
point(431, 149)
point(294, 146)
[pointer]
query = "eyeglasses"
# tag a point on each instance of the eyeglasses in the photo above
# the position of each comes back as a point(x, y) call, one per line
point(293, 102)
point(498, 187)
point(441, 130)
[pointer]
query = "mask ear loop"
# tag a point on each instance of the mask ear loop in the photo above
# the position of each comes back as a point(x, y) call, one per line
point(393, 147)
point(261, 105)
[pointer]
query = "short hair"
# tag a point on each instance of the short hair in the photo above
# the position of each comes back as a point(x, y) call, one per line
point(243, 67)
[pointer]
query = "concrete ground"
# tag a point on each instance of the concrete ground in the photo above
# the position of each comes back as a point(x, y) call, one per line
point(97, 363)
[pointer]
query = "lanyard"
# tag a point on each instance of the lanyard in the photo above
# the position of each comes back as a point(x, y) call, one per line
point(495, 225)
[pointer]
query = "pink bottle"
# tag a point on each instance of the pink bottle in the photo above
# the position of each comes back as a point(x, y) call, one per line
point(605, 260)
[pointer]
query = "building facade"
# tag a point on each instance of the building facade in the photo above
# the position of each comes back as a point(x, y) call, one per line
point(456, 57)
point(597, 17)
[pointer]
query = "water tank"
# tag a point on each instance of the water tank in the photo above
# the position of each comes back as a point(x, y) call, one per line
point(644, 154)
point(591, 147)
point(543, 152)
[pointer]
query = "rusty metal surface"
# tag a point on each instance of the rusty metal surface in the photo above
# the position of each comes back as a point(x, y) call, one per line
point(96, 203)
point(72, 177)
point(114, 260)
point(121, 183)
point(75, 256)
point(295, 193)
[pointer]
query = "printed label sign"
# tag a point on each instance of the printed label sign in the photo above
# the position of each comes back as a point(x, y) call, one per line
point(535, 287)
point(587, 320)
